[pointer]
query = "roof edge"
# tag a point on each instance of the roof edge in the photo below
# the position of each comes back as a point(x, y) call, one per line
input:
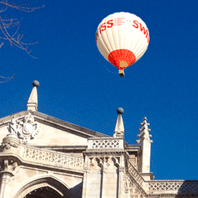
point(55, 121)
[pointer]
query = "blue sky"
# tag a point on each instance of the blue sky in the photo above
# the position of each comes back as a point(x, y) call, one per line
point(76, 85)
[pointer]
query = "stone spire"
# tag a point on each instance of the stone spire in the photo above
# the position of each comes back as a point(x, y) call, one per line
point(145, 146)
point(33, 99)
point(119, 128)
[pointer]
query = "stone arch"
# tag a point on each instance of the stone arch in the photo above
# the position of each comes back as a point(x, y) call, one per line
point(45, 181)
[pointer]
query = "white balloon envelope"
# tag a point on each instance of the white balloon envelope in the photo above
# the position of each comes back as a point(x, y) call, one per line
point(122, 38)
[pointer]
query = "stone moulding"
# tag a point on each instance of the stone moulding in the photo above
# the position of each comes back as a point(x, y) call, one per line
point(105, 153)
point(42, 181)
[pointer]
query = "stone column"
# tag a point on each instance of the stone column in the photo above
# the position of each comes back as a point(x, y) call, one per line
point(5, 180)
point(121, 181)
point(9, 168)
point(103, 176)
point(86, 172)
point(127, 190)
point(92, 183)
point(10, 144)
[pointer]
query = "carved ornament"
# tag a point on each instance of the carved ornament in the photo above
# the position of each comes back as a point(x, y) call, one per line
point(25, 129)
point(9, 166)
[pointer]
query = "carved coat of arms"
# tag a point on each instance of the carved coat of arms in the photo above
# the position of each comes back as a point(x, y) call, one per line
point(25, 129)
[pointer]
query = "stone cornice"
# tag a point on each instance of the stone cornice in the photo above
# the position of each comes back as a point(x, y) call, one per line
point(7, 119)
point(105, 152)
point(55, 122)
point(63, 148)
point(67, 125)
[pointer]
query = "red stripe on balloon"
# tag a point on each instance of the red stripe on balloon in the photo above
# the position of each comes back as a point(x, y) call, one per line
point(121, 55)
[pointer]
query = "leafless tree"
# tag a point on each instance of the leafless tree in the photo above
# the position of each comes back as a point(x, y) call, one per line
point(9, 27)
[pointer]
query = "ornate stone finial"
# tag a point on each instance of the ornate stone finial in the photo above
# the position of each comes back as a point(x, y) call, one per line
point(33, 99)
point(120, 110)
point(36, 83)
point(145, 128)
point(26, 129)
point(119, 128)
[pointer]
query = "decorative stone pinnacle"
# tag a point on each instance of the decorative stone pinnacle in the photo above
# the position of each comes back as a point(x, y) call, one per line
point(33, 99)
point(144, 142)
point(119, 128)
point(144, 131)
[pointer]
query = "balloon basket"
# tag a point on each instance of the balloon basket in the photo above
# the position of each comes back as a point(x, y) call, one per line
point(121, 73)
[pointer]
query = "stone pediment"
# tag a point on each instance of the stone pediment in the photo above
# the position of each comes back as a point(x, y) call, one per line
point(47, 131)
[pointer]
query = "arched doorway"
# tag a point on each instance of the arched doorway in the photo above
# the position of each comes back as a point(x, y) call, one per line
point(44, 192)
point(44, 187)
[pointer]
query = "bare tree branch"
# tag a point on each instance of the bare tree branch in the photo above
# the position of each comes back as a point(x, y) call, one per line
point(9, 29)
point(6, 79)
point(6, 25)
point(21, 7)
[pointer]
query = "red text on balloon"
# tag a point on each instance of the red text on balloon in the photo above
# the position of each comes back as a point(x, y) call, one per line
point(137, 24)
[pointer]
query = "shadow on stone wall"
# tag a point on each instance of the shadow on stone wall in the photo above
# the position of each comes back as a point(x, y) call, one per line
point(189, 189)
point(77, 190)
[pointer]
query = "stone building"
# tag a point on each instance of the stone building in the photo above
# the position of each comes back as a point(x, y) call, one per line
point(44, 157)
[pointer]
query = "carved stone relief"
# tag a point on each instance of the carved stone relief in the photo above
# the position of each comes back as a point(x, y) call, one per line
point(11, 141)
point(25, 129)
point(105, 162)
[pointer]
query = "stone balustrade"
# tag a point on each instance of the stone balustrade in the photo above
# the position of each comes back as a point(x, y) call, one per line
point(166, 187)
point(172, 187)
point(106, 143)
point(135, 174)
point(52, 158)
point(44, 157)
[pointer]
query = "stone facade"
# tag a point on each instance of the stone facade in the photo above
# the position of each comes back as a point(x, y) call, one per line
point(44, 157)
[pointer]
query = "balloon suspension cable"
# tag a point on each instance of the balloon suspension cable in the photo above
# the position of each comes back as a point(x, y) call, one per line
point(109, 70)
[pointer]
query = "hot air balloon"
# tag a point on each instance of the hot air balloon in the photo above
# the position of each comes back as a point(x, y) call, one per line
point(122, 38)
